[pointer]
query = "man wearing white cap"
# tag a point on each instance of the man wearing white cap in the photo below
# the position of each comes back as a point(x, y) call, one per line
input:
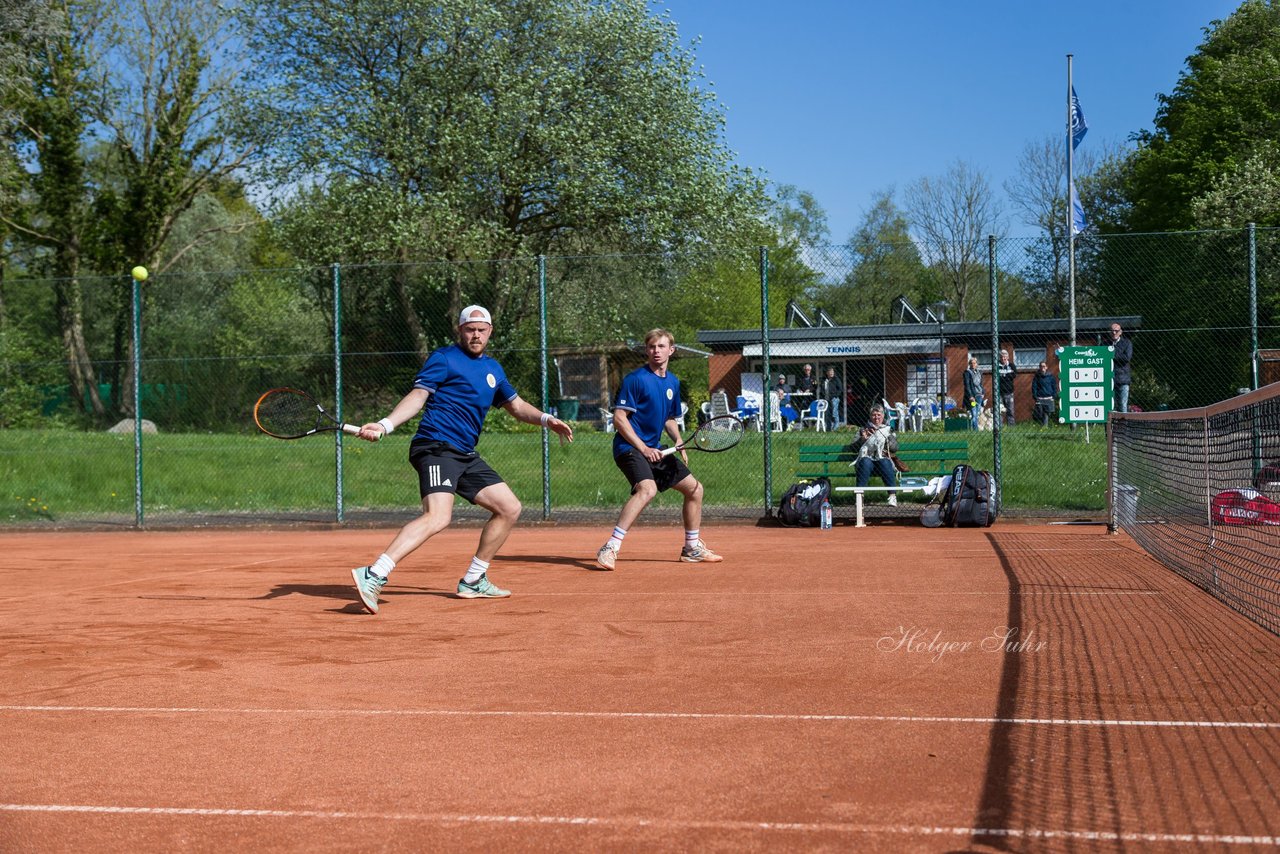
point(454, 391)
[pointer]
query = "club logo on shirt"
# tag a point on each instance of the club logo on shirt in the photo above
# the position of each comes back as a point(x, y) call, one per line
point(670, 394)
point(493, 383)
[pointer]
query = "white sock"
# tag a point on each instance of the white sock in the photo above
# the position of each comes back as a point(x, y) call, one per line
point(691, 538)
point(478, 568)
point(382, 566)
point(616, 540)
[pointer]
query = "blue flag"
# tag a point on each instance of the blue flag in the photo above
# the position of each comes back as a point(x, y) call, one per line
point(1079, 127)
point(1077, 210)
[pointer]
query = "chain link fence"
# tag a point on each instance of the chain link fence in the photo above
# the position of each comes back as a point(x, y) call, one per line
point(896, 323)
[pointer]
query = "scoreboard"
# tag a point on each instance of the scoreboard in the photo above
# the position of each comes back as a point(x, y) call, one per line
point(1085, 384)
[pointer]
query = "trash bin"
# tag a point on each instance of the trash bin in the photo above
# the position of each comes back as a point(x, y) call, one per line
point(1126, 506)
point(567, 408)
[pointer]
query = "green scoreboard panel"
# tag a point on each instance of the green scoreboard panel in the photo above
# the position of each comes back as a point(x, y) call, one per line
point(1084, 380)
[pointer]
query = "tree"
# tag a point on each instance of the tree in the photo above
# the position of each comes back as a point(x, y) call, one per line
point(1248, 191)
point(953, 214)
point(886, 265)
point(1038, 191)
point(1219, 117)
point(175, 80)
point(484, 129)
point(798, 216)
point(53, 113)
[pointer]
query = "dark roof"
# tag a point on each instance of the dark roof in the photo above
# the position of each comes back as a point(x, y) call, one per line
point(725, 339)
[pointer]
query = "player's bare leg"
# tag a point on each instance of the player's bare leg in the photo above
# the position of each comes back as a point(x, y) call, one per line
point(499, 500)
point(437, 513)
point(695, 550)
point(641, 494)
point(502, 503)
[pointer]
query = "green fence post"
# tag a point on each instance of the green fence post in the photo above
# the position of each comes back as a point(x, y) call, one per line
point(137, 401)
point(1252, 236)
point(337, 390)
point(995, 379)
point(546, 391)
point(764, 401)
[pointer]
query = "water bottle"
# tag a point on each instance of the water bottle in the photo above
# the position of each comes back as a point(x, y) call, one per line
point(825, 514)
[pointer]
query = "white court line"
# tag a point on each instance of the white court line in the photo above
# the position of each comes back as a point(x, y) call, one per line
point(729, 716)
point(665, 823)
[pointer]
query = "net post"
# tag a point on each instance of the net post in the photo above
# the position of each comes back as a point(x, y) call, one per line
point(1112, 476)
point(336, 276)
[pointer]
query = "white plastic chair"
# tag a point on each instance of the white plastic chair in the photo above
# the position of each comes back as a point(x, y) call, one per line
point(818, 415)
point(606, 415)
point(775, 412)
point(904, 419)
point(684, 410)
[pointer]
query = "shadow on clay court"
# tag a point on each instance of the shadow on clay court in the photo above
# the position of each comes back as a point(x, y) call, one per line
point(347, 592)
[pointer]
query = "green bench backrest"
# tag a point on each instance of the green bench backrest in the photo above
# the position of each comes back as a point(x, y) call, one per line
point(829, 457)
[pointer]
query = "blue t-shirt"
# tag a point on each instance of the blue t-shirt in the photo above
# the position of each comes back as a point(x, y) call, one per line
point(462, 389)
point(650, 401)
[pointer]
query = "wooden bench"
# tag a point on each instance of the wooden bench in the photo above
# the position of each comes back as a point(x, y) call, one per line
point(925, 459)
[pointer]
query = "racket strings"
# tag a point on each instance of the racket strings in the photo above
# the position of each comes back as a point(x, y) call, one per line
point(286, 413)
point(718, 434)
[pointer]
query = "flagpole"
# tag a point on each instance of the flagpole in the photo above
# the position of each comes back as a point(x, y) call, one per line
point(1070, 211)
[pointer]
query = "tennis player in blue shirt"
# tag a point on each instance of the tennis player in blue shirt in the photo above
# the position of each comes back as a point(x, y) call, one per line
point(454, 391)
point(648, 403)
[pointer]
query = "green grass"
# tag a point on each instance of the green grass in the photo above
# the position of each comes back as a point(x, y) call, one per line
point(66, 475)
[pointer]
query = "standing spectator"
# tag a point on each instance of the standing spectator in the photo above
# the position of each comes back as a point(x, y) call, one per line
point(974, 396)
point(1120, 360)
point(833, 393)
point(1044, 388)
point(1006, 374)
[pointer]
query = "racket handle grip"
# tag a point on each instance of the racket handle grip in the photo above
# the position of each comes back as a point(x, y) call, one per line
point(669, 451)
point(351, 429)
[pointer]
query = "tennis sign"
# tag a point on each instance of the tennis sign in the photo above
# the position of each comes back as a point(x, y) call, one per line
point(1085, 379)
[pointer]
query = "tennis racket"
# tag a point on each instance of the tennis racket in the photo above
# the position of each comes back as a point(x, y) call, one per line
point(719, 434)
point(287, 413)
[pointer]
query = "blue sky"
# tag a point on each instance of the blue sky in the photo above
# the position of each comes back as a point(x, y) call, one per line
point(847, 98)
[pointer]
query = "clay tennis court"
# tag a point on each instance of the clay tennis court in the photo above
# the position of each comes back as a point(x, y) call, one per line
point(1022, 688)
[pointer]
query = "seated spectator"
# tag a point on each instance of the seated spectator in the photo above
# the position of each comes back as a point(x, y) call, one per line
point(875, 447)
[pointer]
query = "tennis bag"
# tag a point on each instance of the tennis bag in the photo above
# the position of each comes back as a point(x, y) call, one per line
point(970, 502)
point(1244, 507)
point(801, 505)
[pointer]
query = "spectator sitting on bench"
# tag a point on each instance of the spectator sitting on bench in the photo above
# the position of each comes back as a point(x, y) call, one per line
point(875, 446)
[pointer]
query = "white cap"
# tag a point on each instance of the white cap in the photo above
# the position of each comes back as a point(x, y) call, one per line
point(469, 315)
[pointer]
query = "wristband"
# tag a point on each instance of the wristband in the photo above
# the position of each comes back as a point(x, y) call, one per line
point(546, 418)
point(387, 426)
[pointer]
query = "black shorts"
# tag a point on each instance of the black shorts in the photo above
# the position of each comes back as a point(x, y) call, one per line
point(666, 474)
point(443, 468)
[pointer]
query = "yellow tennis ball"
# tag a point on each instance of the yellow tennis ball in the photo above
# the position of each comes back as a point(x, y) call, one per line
point(139, 273)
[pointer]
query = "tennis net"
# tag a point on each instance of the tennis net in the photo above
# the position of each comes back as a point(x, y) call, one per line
point(1199, 489)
